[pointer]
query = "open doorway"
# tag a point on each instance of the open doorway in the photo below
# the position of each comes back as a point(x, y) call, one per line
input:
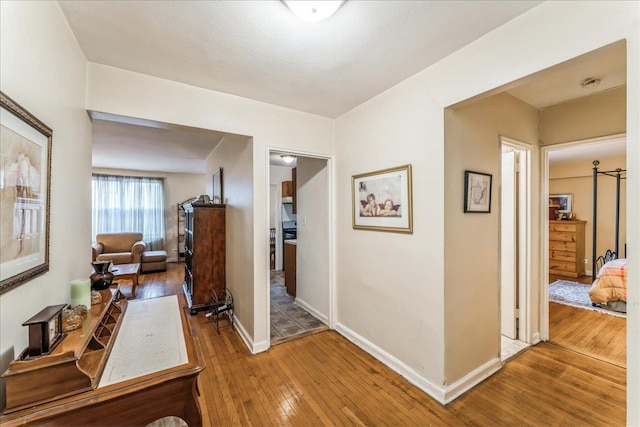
point(572, 321)
point(299, 285)
point(515, 196)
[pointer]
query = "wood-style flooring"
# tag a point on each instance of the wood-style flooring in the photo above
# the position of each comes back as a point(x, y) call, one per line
point(592, 333)
point(323, 379)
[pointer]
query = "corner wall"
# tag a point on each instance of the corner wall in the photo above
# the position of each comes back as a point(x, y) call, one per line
point(43, 69)
point(472, 240)
point(234, 156)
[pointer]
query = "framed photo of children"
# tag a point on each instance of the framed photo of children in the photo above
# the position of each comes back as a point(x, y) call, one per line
point(477, 192)
point(382, 200)
point(25, 171)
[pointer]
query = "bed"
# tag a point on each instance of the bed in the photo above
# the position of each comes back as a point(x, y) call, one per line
point(609, 289)
point(609, 286)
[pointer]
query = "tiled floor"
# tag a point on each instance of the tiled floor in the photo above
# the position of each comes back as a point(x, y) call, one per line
point(288, 321)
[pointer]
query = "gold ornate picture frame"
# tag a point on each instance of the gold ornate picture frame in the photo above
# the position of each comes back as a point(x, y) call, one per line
point(25, 174)
point(382, 200)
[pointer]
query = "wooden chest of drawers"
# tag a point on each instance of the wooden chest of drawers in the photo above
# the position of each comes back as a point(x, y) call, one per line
point(566, 248)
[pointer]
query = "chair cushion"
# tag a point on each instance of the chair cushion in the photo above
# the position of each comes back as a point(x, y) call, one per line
point(117, 258)
point(154, 256)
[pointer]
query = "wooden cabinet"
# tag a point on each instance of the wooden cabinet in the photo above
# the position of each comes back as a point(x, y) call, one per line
point(290, 248)
point(204, 247)
point(287, 189)
point(566, 248)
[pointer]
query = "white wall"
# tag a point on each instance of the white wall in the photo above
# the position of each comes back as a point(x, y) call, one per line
point(178, 187)
point(312, 255)
point(405, 125)
point(234, 155)
point(43, 69)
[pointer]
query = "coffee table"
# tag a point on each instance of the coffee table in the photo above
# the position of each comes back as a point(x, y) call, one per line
point(127, 271)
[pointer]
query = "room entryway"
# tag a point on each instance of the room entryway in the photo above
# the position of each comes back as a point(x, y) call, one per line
point(514, 246)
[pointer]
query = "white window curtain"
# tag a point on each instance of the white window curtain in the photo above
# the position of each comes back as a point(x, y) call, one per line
point(127, 203)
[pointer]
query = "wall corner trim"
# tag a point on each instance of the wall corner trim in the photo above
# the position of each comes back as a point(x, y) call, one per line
point(472, 379)
point(433, 390)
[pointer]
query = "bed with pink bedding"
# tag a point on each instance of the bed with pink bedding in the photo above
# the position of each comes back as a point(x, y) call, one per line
point(610, 286)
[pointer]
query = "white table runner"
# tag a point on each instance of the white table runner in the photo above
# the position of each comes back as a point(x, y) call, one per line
point(150, 339)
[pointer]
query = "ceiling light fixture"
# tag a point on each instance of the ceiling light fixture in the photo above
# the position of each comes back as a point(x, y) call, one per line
point(288, 158)
point(313, 10)
point(590, 83)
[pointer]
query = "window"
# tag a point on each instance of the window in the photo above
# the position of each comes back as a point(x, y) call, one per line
point(127, 203)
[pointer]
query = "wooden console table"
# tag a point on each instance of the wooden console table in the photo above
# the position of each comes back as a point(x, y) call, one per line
point(101, 374)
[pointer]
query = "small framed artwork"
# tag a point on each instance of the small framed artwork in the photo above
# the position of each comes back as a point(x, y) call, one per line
point(477, 192)
point(25, 172)
point(562, 202)
point(382, 200)
point(218, 196)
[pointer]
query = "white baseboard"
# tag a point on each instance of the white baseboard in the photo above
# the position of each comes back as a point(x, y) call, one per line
point(443, 394)
point(312, 311)
point(253, 347)
point(472, 379)
point(172, 259)
point(433, 390)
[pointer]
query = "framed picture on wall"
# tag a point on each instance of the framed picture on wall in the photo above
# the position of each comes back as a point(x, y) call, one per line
point(382, 200)
point(562, 202)
point(477, 192)
point(25, 171)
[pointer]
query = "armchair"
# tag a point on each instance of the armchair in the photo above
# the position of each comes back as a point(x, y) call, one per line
point(121, 248)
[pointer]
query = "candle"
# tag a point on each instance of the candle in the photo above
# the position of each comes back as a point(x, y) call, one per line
point(81, 293)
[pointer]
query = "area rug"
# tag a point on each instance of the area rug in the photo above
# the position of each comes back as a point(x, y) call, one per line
point(576, 295)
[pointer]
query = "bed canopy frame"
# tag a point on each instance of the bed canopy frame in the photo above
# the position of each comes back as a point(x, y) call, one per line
point(609, 255)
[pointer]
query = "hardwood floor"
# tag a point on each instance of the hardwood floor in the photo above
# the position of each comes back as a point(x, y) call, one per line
point(323, 379)
point(594, 334)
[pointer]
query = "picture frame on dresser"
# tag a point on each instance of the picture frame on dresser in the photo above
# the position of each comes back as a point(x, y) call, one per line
point(24, 194)
point(562, 202)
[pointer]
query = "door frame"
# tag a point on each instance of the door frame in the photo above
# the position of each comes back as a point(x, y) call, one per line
point(524, 232)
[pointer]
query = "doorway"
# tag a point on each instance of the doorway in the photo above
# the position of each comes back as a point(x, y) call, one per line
point(515, 225)
point(568, 169)
point(300, 286)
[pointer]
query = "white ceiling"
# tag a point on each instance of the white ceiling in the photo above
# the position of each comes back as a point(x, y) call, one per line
point(259, 50)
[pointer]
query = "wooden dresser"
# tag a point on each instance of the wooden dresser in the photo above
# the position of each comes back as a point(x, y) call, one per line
point(566, 248)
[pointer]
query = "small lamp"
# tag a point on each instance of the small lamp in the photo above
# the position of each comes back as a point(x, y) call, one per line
point(288, 158)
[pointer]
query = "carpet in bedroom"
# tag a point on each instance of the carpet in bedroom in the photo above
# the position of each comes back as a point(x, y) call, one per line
point(576, 295)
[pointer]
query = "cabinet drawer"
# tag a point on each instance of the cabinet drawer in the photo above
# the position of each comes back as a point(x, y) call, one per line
point(562, 256)
point(563, 227)
point(568, 267)
point(562, 246)
point(562, 236)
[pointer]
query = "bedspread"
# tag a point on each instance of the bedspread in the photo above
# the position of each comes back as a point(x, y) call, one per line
point(610, 283)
